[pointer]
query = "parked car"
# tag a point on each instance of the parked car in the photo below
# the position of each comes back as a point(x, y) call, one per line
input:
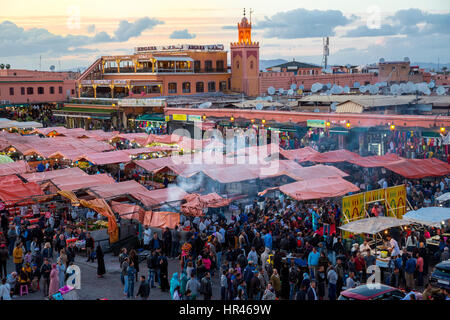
point(368, 292)
point(441, 275)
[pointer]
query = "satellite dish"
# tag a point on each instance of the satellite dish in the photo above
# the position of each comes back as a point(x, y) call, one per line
point(293, 86)
point(317, 110)
point(431, 84)
point(205, 105)
point(403, 88)
point(290, 92)
point(271, 90)
point(259, 106)
point(346, 89)
point(52, 68)
point(281, 90)
point(427, 91)
point(362, 89)
point(329, 85)
point(440, 90)
point(259, 98)
point(356, 85)
point(395, 88)
point(268, 98)
point(316, 87)
point(382, 60)
point(333, 106)
point(301, 87)
point(410, 87)
point(373, 89)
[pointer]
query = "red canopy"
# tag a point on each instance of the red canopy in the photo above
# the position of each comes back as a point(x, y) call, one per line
point(195, 203)
point(128, 211)
point(419, 168)
point(300, 155)
point(71, 183)
point(341, 155)
point(17, 167)
point(316, 188)
point(104, 158)
point(161, 196)
point(16, 192)
point(376, 161)
point(10, 179)
point(49, 175)
point(161, 219)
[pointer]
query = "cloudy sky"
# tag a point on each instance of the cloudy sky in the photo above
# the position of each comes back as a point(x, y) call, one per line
point(71, 33)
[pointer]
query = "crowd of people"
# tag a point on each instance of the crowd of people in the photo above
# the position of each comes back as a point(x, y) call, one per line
point(276, 249)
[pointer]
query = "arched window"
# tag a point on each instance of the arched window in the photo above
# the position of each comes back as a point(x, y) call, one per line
point(186, 87)
point(199, 87)
point(237, 64)
point(251, 64)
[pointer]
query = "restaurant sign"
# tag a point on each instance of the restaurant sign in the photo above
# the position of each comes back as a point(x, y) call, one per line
point(194, 118)
point(142, 102)
point(179, 117)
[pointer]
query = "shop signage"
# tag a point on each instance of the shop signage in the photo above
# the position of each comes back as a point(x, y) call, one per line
point(393, 198)
point(315, 123)
point(142, 102)
point(179, 117)
point(194, 118)
point(211, 47)
point(167, 118)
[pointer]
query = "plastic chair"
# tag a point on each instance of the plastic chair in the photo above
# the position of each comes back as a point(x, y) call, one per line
point(23, 289)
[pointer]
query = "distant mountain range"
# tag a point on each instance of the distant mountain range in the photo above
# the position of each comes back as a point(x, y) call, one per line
point(263, 64)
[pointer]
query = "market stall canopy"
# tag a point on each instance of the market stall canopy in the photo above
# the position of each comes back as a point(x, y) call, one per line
point(162, 196)
point(18, 167)
point(161, 219)
point(341, 155)
point(314, 172)
point(430, 216)
point(108, 191)
point(12, 193)
point(38, 177)
point(373, 225)
point(5, 159)
point(139, 151)
point(104, 158)
point(195, 203)
point(10, 179)
point(376, 161)
point(419, 168)
point(128, 211)
point(300, 155)
point(444, 197)
point(316, 188)
point(72, 183)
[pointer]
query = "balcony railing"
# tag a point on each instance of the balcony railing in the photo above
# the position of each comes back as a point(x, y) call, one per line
point(210, 70)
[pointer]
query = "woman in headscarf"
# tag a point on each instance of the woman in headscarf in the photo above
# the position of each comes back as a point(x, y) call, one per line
point(174, 282)
point(183, 282)
point(54, 280)
point(61, 272)
point(100, 262)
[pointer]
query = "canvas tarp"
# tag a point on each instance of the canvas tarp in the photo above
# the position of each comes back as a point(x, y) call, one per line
point(316, 188)
point(161, 196)
point(300, 155)
point(107, 191)
point(100, 206)
point(430, 216)
point(12, 193)
point(104, 158)
point(17, 167)
point(313, 172)
point(49, 175)
point(341, 155)
point(419, 168)
point(71, 183)
point(373, 225)
point(10, 179)
point(161, 219)
point(195, 203)
point(376, 161)
point(128, 211)
point(444, 197)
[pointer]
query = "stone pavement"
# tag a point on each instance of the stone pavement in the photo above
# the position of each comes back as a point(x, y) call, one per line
point(109, 287)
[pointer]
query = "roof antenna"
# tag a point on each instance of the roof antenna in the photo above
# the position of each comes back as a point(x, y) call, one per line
point(244, 12)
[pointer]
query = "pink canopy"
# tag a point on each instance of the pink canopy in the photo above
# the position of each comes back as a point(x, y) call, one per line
point(341, 155)
point(49, 175)
point(419, 168)
point(314, 172)
point(300, 155)
point(71, 183)
point(195, 203)
point(376, 161)
point(316, 188)
point(104, 158)
point(17, 167)
point(128, 211)
point(117, 189)
point(161, 219)
point(10, 179)
point(161, 196)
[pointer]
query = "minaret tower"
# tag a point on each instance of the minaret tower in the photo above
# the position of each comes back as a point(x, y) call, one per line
point(245, 60)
